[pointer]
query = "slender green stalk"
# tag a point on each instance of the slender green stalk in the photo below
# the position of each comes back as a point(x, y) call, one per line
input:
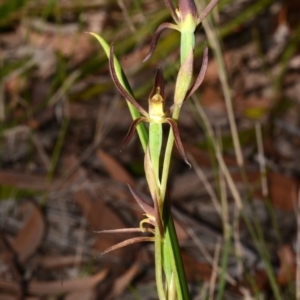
point(155, 143)
point(168, 154)
point(187, 40)
point(174, 263)
point(158, 265)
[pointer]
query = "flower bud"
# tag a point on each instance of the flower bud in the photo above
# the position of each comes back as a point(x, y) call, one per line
point(188, 15)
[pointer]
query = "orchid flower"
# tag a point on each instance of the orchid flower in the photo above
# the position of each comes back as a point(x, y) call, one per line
point(152, 218)
point(186, 18)
point(157, 113)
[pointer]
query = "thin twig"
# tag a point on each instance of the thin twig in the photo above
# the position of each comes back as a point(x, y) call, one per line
point(126, 16)
point(207, 256)
point(206, 184)
point(213, 277)
point(223, 192)
point(219, 157)
point(261, 159)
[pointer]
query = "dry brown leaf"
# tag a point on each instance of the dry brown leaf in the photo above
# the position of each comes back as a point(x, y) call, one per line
point(10, 277)
point(31, 235)
point(57, 262)
point(5, 296)
point(196, 270)
point(124, 280)
point(10, 286)
point(287, 270)
point(24, 181)
point(282, 189)
point(99, 215)
point(89, 294)
point(114, 168)
point(59, 287)
point(15, 297)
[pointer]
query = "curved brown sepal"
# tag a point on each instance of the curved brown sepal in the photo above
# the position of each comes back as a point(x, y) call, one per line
point(128, 242)
point(131, 130)
point(148, 209)
point(118, 84)
point(201, 75)
point(178, 142)
point(158, 83)
point(156, 36)
point(172, 10)
point(119, 230)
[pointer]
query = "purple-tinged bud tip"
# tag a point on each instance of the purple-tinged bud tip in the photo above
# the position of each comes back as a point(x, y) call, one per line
point(187, 8)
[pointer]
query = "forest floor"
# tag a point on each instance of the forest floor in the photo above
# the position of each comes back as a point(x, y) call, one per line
point(62, 175)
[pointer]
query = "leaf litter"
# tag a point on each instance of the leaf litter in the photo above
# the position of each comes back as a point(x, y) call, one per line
point(48, 245)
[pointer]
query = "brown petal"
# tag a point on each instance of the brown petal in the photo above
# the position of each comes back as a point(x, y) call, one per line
point(128, 242)
point(148, 209)
point(158, 83)
point(156, 36)
point(172, 10)
point(131, 130)
point(119, 85)
point(201, 75)
point(120, 230)
point(178, 140)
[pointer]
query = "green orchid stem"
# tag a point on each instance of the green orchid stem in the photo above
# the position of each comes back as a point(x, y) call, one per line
point(167, 251)
point(172, 260)
point(187, 41)
point(155, 143)
point(168, 154)
point(158, 265)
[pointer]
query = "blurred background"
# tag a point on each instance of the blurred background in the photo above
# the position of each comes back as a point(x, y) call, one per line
point(62, 175)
